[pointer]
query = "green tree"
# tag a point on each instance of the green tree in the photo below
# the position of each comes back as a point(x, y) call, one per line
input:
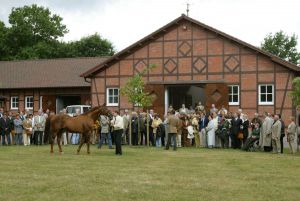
point(134, 90)
point(33, 24)
point(296, 91)
point(93, 45)
point(4, 49)
point(283, 46)
point(35, 32)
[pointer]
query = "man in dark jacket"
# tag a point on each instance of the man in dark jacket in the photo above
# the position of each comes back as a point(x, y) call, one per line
point(5, 128)
point(236, 124)
point(134, 128)
point(282, 133)
point(203, 121)
point(142, 126)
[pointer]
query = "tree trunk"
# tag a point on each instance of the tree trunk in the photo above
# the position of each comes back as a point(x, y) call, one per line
point(130, 130)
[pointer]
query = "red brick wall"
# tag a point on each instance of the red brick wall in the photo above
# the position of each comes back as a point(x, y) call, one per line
point(84, 93)
point(198, 54)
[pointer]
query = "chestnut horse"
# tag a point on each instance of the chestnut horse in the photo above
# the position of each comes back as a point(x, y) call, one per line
point(84, 124)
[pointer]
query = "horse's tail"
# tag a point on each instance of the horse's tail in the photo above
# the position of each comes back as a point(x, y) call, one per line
point(47, 133)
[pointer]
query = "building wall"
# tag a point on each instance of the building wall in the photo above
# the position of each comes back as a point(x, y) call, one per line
point(49, 97)
point(188, 52)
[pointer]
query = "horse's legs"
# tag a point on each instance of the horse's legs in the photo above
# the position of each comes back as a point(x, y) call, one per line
point(88, 142)
point(51, 151)
point(58, 141)
point(81, 143)
point(52, 141)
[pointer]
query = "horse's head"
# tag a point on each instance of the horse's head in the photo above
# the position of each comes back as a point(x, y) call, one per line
point(103, 110)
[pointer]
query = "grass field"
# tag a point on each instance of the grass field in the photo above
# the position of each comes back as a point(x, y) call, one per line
point(31, 173)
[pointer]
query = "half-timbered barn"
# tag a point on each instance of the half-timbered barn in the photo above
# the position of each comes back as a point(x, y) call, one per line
point(48, 83)
point(195, 62)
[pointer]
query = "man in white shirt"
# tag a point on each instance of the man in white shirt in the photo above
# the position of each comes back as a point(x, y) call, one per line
point(118, 126)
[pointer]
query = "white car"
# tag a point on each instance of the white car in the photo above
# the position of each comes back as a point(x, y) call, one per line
point(71, 109)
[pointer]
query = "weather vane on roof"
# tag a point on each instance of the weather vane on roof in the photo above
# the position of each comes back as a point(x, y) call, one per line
point(187, 8)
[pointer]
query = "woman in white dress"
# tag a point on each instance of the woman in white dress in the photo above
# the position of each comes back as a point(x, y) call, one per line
point(210, 130)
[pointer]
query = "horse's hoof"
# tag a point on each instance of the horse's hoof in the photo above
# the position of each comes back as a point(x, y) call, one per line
point(77, 153)
point(88, 152)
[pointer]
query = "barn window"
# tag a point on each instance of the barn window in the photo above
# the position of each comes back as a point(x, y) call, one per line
point(29, 102)
point(234, 94)
point(112, 96)
point(14, 102)
point(266, 94)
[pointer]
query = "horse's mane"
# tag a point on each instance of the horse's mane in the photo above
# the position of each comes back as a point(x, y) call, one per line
point(91, 110)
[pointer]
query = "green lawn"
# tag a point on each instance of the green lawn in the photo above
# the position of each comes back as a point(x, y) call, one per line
point(31, 173)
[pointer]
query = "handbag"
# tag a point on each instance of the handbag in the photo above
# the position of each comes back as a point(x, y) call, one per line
point(240, 136)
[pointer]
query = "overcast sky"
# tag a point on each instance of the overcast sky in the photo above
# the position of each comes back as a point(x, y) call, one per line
point(125, 21)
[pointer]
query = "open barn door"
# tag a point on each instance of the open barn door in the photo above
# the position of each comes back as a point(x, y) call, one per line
point(216, 94)
point(49, 102)
point(157, 91)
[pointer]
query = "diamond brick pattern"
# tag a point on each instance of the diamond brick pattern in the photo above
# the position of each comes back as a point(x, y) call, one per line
point(232, 63)
point(140, 66)
point(216, 96)
point(185, 48)
point(170, 65)
point(199, 64)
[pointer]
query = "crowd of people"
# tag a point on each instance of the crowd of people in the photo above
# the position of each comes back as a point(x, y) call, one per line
point(25, 128)
point(217, 128)
point(22, 128)
point(199, 127)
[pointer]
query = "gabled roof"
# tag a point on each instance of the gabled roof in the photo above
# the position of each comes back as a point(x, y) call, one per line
point(163, 29)
point(46, 73)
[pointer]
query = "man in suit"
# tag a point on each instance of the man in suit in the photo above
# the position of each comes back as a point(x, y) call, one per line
point(173, 123)
point(142, 126)
point(39, 127)
point(291, 133)
point(236, 124)
point(11, 119)
point(5, 129)
point(282, 133)
point(203, 121)
point(265, 140)
point(276, 132)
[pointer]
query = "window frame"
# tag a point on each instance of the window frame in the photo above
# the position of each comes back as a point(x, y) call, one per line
point(107, 96)
point(26, 102)
point(11, 102)
point(231, 94)
point(266, 93)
